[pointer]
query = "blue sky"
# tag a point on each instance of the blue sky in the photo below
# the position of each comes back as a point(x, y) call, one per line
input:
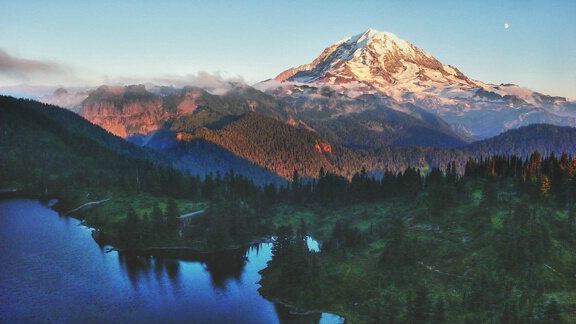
point(75, 43)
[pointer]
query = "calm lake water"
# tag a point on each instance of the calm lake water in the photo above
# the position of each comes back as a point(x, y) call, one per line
point(52, 271)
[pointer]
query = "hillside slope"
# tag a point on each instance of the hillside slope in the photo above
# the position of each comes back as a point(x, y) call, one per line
point(282, 149)
point(524, 140)
point(53, 146)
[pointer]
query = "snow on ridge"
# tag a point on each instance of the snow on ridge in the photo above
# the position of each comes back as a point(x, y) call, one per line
point(381, 62)
point(390, 40)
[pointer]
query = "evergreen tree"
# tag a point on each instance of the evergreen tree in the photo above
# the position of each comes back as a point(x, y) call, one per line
point(144, 229)
point(302, 230)
point(172, 213)
point(545, 186)
point(399, 250)
point(419, 308)
point(219, 215)
point(392, 309)
point(553, 312)
point(296, 188)
point(158, 222)
point(438, 311)
point(571, 219)
point(490, 193)
point(290, 254)
point(131, 230)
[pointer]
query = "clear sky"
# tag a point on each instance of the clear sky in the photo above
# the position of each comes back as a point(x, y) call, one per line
point(95, 42)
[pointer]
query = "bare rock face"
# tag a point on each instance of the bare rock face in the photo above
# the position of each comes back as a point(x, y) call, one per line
point(133, 110)
point(123, 111)
point(323, 147)
point(189, 100)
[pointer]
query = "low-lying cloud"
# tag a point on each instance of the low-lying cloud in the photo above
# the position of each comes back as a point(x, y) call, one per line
point(214, 83)
point(16, 67)
point(34, 78)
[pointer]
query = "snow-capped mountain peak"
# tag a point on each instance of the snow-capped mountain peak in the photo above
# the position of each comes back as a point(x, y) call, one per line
point(386, 66)
point(390, 40)
point(376, 61)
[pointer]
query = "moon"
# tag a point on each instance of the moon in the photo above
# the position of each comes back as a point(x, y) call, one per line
point(506, 25)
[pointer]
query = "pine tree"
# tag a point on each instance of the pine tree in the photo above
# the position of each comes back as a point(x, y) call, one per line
point(490, 193)
point(172, 215)
point(544, 186)
point(571, 216)
point(296, 188)
point(144, 228)
point(553, 312)
point(392, 309)
point(131, 230)
point(438, 311)
point(418, 310)
point(158, 222)
point(219, 216)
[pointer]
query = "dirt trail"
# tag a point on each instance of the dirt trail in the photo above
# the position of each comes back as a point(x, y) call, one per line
point(191, 214)
point(88, 204)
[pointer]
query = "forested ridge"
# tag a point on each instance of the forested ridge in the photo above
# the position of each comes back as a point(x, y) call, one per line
point(283, 148)
point(53, 151)
point(523, 141)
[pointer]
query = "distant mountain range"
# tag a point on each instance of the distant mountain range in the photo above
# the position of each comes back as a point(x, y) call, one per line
point(372, 100)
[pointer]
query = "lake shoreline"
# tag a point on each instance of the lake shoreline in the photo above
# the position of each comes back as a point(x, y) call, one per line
point(294, 310)
point(17, 193)
point(57, 273)
point(172, 252)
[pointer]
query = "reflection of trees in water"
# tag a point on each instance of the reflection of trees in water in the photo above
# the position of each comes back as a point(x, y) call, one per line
point(135, 267)
point(169, 266)
point(221, 266)
point(225, 265)
point(254, 247)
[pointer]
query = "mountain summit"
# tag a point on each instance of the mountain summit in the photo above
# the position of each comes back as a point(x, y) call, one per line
point(377, 61)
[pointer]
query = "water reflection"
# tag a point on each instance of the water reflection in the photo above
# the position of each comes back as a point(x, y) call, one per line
point(53, 271)
point(135, 267)
point(222, 266)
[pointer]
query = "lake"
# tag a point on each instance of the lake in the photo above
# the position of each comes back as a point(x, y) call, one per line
point(51, 270)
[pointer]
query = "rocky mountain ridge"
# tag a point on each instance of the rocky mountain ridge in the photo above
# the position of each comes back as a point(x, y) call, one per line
point(133, 110)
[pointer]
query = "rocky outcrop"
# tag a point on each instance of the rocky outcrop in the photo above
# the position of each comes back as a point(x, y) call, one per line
point(123, 111)
point(132, 110)
point(323, 147)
